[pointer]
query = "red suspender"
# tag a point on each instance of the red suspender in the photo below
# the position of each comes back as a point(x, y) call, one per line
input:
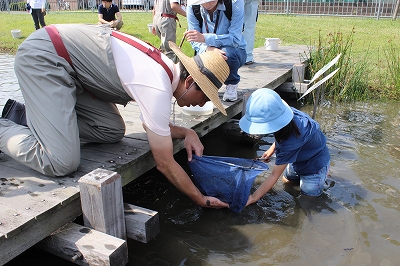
point(62, 51)
point(58, 43)
point(153, 53)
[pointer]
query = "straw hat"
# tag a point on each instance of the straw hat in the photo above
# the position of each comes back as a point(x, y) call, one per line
point(217, 68)
point(265, 113)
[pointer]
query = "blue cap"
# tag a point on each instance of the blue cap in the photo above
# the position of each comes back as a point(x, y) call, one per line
point(265, 113)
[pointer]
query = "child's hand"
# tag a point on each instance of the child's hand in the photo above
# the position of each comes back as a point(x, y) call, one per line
point(251, 200)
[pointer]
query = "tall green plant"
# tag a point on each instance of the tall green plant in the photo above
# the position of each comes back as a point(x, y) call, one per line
point(350, 83)
point(393, 74)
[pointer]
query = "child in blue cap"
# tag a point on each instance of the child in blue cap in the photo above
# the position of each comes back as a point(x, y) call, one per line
point(300, 145)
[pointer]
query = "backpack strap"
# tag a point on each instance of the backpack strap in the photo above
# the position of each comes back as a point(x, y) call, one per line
point(197, 14)
point(228, 11)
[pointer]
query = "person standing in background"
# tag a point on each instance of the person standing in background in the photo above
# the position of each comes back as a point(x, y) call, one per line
point(109, 14)
point(249, 28)
point(164, 23)
point(38, 11)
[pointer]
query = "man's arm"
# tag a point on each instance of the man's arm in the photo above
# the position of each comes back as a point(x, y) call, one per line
point(178, 8)
point(162, 149)
point(101, 20)
point(119, 16)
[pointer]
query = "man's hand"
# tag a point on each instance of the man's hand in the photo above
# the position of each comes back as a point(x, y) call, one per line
point(211, 202)
point(194, 36)
point(193, 143)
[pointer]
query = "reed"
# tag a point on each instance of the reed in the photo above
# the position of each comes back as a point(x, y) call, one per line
point(350, 83)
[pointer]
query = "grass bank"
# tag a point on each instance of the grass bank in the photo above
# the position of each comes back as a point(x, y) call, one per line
point(372, 46)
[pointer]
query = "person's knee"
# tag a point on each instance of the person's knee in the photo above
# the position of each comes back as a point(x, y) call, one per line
point(313, 188)
point(119, 25)
point(61, 165)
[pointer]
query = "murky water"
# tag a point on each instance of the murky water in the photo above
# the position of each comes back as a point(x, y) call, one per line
point(355, 222)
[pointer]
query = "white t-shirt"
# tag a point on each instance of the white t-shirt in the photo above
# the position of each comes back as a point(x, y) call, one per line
point(147, 82)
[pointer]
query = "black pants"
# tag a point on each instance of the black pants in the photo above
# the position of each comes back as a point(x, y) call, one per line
point(38, 16)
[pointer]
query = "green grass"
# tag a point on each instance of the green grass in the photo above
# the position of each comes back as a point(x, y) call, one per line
point(374, 44)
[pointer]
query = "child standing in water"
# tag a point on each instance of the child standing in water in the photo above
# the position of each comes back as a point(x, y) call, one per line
point(300, 146)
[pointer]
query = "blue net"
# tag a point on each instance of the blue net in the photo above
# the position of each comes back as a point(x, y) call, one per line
point(226, 178)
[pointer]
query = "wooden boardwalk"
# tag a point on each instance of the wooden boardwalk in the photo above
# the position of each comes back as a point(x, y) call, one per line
point(32, 206)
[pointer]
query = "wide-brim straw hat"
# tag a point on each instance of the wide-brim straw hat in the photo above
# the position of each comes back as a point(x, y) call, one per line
point(215, 63)
point(265, 113)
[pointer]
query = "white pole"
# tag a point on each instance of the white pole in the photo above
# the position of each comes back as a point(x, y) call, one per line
point(396, 10)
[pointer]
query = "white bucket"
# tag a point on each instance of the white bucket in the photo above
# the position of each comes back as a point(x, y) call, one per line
point(206, 109)
point(272, 44)
point(16, 33)
point(150, 26)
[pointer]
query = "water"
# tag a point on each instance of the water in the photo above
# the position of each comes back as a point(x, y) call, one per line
point(355, 222)
point(8, 85)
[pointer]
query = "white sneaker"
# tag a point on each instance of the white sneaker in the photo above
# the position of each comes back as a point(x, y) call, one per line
point(230, 94)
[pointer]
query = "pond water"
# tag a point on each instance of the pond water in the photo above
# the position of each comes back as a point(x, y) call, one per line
point(355, 222)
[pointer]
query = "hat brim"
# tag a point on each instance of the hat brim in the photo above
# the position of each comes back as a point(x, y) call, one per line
point(272, 126)
point(209, 89)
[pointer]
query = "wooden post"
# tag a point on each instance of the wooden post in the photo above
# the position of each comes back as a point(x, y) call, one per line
point(246, 97)
point(102, 203)
point(85, 246)
point(141, 224)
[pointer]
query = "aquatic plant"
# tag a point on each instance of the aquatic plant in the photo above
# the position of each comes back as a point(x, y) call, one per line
point(350, 83)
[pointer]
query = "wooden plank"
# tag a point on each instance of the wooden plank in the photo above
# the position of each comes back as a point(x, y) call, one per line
point(29, 196)
point(102, 204)
point(85, 246)
point(25, 236)
point(291, 87)
point(141, 224)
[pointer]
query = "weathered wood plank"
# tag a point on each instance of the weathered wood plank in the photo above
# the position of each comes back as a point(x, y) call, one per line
point(24, 236)
point(141, 224)
point(291, 87)
point(86, 246)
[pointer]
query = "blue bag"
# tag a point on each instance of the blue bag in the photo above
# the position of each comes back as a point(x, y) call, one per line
point(226, 178)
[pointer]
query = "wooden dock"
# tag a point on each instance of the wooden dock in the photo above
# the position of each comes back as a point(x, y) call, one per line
point(33, 206)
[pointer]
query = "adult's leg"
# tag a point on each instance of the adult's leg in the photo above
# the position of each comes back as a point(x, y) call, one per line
point(41, 18)
point(35, 18)
point(98, 121)
point(250, 17)
point(236, 59)
point(167, 30)
point(50, 144)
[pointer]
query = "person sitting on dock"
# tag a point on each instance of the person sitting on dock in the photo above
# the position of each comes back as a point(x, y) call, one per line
point(71, 76)
point(109, 14)
point(300, 146)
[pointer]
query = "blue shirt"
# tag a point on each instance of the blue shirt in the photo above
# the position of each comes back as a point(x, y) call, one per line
point(108, 14)
point(228, 32)
point(308, 152)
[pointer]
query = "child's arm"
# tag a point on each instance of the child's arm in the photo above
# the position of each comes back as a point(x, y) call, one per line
point(267, 184)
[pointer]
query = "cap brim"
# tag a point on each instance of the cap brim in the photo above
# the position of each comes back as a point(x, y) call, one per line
point(275, 125)
point(209, 89)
